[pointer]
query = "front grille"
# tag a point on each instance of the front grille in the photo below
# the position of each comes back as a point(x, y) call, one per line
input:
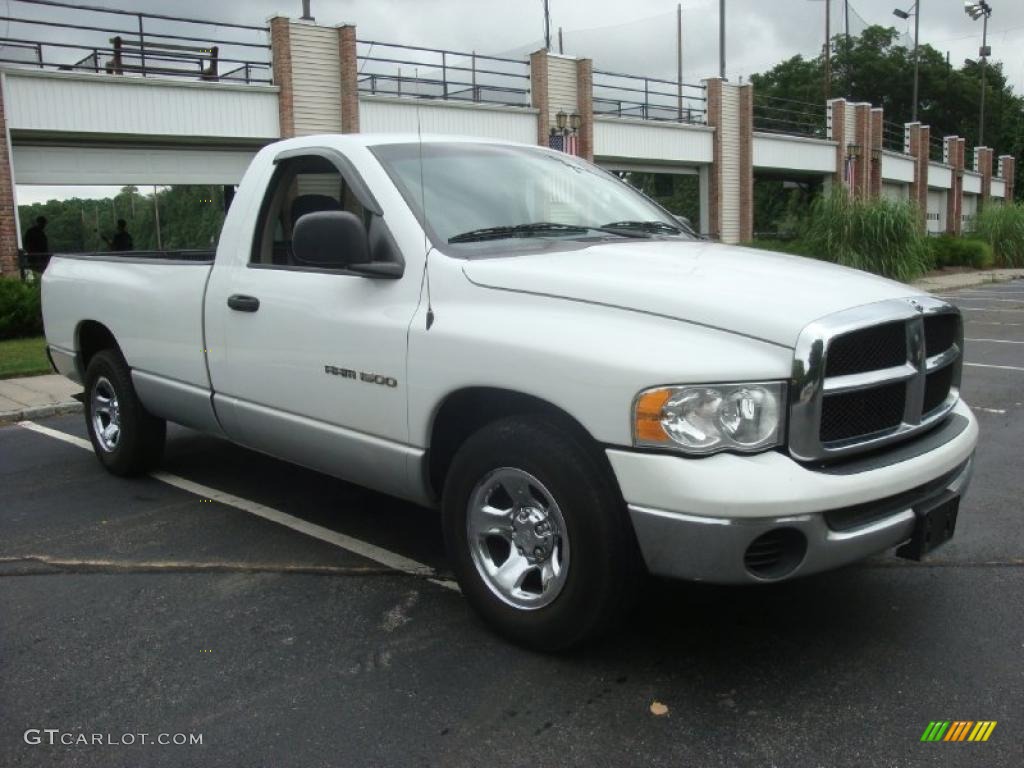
point(940, 333)
point(873, 375)
point(861, 413)
point(936, 388)
point(869, 349)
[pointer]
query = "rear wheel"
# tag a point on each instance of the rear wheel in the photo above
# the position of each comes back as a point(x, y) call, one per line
point(537, 534)
point(127, 439)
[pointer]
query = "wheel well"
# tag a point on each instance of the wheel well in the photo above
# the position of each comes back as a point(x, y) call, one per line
point(93, 337)
point(467, 410)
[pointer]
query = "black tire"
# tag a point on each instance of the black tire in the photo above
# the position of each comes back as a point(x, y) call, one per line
point(605, 565)
point(140, 442)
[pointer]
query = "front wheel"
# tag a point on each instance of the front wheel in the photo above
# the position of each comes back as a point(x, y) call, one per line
point(537, 533)
point(127, 439)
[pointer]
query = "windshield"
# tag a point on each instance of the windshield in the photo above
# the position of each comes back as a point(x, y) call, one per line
point(484, 192)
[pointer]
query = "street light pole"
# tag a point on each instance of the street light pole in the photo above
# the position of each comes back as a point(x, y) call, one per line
point(917, 57)
point(721, 39)
point(984, 65)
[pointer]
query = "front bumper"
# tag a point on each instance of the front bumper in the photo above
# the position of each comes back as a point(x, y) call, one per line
point(695, 518)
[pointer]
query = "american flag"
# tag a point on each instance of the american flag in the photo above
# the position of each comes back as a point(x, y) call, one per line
point(570, 144)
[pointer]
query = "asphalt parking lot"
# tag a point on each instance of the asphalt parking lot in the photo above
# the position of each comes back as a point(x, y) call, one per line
point(180, 604)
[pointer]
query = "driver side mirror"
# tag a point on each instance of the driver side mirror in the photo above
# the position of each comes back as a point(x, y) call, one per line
point(330, 240)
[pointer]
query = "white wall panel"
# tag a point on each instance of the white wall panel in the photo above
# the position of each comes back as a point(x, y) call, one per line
point(645, 140)
point(895, 191)
point(998, 188)
point(940, 176)
point(316, 79)
point(562, 86)
point(730, 143)
point(972, 183)
point(794, 153)
point(378, 114)
point(61, 102)
point(53, 165)
point(896, 167)
point(936, 215)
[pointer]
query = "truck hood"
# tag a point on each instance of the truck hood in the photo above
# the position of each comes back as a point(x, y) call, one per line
point(761, 294)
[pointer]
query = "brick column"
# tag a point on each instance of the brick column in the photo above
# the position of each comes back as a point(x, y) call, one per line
point(1007, 172)
point(585, 106)
point(862, 138)
point(281, 51)
point(8, 204)
point(875, 180)
point(837, 132)
point(983, 165)
point(714, 116)
point(953, 149)
point(539, 93)
point(918, 144)
point(746, 162)
point(349, 78)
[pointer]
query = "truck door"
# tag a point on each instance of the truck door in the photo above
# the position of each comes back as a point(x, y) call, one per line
point(312, 368)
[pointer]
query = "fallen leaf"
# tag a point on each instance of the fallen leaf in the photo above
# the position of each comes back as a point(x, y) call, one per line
point(658, 709)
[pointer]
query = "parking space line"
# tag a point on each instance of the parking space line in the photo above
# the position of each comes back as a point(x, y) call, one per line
point(978, 298)
point(989, 322)
point(1000, 367)
point(997, 341)
point(986, 309)
point(363, 549)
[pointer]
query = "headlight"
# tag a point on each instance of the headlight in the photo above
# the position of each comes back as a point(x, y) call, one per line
point(708, 418)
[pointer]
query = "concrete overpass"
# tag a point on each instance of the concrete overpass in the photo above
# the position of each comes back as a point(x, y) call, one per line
point(94, 127)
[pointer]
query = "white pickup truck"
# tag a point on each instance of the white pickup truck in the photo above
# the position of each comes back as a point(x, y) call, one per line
point(520, 338)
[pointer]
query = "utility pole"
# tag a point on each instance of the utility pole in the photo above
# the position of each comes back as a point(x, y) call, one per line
point(679, 59)
point(547, 27)
point(306, 14)
point(560, 48)
point(721, 39)
point(828, 49)
point(917, 57)
point(156, 211)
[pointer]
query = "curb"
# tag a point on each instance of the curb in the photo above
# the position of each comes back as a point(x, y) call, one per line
point(40, 412)
point(967, 280)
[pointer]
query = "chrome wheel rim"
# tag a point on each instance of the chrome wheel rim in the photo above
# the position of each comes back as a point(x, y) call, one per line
point(518, 538)
point(106, 414)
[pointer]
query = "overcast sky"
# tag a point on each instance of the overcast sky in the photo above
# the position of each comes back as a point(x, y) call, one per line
point(635, 37)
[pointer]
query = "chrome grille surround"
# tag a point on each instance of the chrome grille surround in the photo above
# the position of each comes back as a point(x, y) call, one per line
point(809, 384)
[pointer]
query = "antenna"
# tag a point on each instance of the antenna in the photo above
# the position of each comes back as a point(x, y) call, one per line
point(423, 203)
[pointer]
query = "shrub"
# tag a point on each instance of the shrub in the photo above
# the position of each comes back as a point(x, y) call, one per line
point(1002, 227)
point(880, 236)
point(20, 311)
point(951, 251)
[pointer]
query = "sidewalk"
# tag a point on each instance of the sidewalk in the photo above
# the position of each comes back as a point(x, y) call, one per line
point(957, 280)
point(37, 396)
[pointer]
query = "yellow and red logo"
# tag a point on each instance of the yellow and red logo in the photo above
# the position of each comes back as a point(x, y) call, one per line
point(958, 730)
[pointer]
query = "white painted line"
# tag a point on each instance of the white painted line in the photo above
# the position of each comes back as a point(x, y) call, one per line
point(361, 548)
point(991, 293)
point(977, 298)
point(986, 309)
point(56, 434)
point(996, 341)
point(989, 322)
point(999, 411)
point(1000, 367)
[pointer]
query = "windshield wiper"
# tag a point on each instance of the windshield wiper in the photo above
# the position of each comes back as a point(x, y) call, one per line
point(522, 230)
point(644, 227)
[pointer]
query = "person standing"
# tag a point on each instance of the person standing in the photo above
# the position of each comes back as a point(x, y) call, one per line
point(121, 241)
point(35, 240)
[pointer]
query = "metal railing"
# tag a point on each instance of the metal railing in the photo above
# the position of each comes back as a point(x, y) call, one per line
point(648, 98)
point(936, 149)
point(152, 47)
point(390, 69)
point(893, 137)
point(773, 114)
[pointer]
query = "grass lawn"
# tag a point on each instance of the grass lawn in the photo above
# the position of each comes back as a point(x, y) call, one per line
point(23, 357)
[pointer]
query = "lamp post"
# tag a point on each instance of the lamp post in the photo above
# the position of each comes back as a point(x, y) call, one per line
point(916, 10)
point(981, 10)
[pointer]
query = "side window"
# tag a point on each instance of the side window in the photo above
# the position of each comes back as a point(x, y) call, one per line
point(299, 186)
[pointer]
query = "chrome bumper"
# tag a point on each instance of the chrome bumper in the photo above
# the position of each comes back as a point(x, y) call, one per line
point(713, 549)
